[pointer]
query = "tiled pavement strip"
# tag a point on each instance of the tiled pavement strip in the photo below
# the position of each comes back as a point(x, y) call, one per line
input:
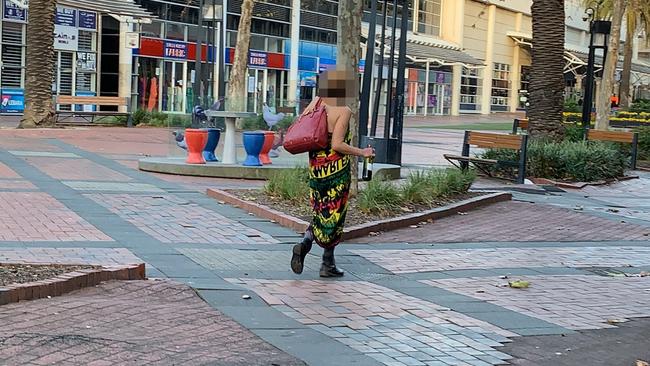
point(309, 301)
point(430, 260)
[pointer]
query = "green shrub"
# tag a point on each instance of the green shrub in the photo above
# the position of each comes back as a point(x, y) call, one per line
point(568, 161)
point(571, 106)
point(451, 182)
point(141, 116)
point(380, 197)
point(574, 132)
point(291, 184)
point(644, 142)
point(640, 105)
point(254, 123)
point(417, 188)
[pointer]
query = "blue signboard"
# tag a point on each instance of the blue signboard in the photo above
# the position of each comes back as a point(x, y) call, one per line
point(66, 16)
point(257, 59)
point(87, 20)
point(307, 78)
point(12, 101)
point(14, 12)
point(85, 108)
point(175, 50)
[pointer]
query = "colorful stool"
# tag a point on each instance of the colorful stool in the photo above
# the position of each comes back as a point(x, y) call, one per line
point(269, 137)
point(253, 142)
point(195, 140)
point(214, 134)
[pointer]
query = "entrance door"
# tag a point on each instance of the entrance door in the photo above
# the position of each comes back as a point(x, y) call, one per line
point(439, 99)
point(173, 95)
point(253, 85)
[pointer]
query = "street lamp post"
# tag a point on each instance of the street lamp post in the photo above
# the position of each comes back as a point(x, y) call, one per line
point(599, 33)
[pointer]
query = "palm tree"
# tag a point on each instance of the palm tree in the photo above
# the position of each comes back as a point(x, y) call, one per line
point(236, 100)
point(39, 71)
point(547, 75)
point(607, 81)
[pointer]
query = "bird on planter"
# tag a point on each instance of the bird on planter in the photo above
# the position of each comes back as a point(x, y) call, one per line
point(179, 136)
point(216, 105)
point(270, 118)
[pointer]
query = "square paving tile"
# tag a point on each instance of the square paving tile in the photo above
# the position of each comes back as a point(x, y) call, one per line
point(64, 168)
point(112, 186)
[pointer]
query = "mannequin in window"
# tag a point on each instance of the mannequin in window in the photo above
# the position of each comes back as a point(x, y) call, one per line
point(178, 95)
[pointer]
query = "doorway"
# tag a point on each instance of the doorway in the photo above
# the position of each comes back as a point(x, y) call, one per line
point(173, 92)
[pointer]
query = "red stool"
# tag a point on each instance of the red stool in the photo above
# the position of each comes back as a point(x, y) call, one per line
point(269, 137)
point(195, 140)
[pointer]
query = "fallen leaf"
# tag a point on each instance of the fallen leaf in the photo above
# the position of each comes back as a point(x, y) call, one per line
point(246, 297)
point(373, 233)
point(613, 210)
point(503, 277)
point(519, 284)
point(414, 227)
point(614, 321)
point(644, 274)
point(642, 363)
point(462, 213)
point(579, 208)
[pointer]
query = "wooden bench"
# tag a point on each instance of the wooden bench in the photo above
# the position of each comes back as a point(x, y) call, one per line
point(91, 116)
point(519, 123)
point(286, 110)
point(487, 140)
point(616, 136)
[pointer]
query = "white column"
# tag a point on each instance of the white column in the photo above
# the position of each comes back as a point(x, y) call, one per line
point(215, 56)
point(126, 63)
point(486, 99)
point(265, 84)
point(515, 71)
point(426, 89)
point(455, 89)
point(295, 49)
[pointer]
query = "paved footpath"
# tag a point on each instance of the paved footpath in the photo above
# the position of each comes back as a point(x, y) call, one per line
point(435, 295)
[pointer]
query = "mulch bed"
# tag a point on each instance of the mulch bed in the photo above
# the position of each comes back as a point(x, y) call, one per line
point(25, 273)
point(302, 209)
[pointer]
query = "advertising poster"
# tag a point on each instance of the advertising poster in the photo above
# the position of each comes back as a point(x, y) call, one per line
point(14, 12)
point(87, 61)
point(66, 16)
point(175, 50)
point(13, 101)
point(257, 59)
point(66, 38)
point(87, 20)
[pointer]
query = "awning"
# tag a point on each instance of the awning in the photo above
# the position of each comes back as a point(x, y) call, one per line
point(116, 8)
point(576, 59)
point(420, 49)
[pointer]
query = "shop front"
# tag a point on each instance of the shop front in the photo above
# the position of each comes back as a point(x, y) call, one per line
point(434, 99)
point(166, 73)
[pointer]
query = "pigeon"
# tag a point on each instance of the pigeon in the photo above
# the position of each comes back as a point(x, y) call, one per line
point(270, 118)
point(216, 105)
point(180, 139)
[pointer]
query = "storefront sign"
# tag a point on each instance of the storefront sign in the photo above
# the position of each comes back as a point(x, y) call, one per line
point(13, 11)
point(132, 40)
point(175, 50)
point(13, 101)
point(307, 79)
point(66, 16)
point(66, 38)
point(259, 59)
point(86, 61)
point(87, 20)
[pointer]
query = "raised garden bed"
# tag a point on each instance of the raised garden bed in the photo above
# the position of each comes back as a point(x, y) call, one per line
point(20, 282)
point(297, 215)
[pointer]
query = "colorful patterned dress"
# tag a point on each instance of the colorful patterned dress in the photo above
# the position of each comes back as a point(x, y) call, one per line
point(329, 183)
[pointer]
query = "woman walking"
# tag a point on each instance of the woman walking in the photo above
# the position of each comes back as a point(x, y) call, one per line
point(329, 174)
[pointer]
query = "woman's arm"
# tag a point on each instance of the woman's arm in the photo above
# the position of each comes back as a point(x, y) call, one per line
point(338, 138)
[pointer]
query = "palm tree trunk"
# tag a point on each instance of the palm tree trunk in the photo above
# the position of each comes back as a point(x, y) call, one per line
point(237, 93)
point(603, 107)
point(39, 71)
point(625, 90)
point(547, 76)
point(348, 52)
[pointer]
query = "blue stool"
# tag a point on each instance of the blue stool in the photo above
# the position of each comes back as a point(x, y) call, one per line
point(214, 134)
point(253, 142)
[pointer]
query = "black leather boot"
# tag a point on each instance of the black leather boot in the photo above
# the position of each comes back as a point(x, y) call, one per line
point(328, 268)
point(300, 251)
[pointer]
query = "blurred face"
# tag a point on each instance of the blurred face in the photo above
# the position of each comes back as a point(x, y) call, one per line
point(336, 86)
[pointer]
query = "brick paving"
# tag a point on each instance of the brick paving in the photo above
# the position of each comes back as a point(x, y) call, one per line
point(8, 173)
point(37, 216)
point(129, 323)
point(170, 219)
point(516, 222)
point(16, 184)
point(76, 169)
point(575, 302)
point(92, 256)
point(112, 186)
point(251, 260)
point(390, 327)
point(429, 260)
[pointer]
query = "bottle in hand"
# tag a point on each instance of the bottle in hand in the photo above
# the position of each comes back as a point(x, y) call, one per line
point(366, 174)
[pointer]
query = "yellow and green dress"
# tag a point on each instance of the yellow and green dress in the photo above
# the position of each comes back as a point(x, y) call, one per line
point(329, 183)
